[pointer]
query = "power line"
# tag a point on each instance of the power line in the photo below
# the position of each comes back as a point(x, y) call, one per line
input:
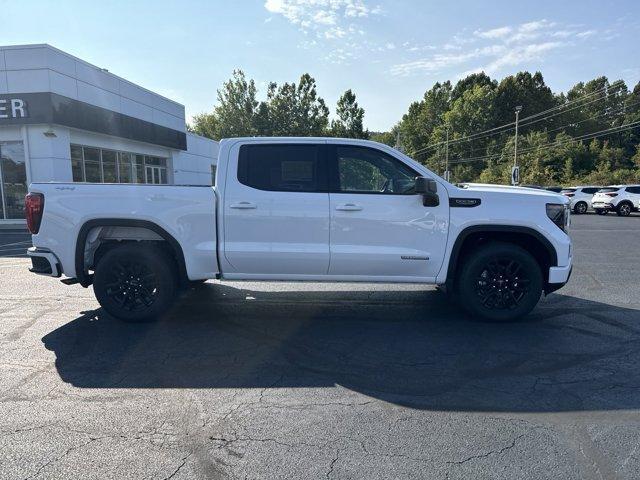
point(587, 136)
point(510, 126)
point(600, 115)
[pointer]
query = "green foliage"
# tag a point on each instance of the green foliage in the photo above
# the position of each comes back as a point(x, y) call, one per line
point(549, 147)
point(349, 123)
point(547, 151)
point(388, 138)
point(296, 110)
point(290, 109)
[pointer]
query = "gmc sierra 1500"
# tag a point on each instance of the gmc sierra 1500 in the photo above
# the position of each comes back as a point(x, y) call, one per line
point(296, 209)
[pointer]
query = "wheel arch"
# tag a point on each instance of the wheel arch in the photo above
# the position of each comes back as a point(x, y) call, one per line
point(531, 240)
point(81, 274)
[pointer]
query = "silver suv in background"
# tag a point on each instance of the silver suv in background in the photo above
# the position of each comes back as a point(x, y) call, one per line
point(623, 199)
point(580, 197)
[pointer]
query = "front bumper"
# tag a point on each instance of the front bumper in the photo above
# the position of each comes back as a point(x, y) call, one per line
point(560, 274)
point(44, 262)
point(558, 277)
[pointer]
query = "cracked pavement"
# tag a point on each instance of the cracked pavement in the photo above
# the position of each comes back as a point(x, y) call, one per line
point(278, 380)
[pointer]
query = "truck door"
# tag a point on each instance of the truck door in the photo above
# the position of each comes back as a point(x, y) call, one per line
point(379, 226)
point(276, 210)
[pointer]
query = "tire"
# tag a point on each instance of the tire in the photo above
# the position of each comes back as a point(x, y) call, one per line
point(580, 208)
point(500, 282)
point(624, 209)
point(135, 283)
point(600, 211)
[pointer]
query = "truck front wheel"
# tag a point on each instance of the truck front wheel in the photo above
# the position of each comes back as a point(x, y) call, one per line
point(500, 282)
point(135, 283)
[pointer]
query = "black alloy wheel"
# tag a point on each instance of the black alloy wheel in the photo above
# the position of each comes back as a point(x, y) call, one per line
point(135, 283)
point(132, 285)
point(499, 282)
point(502, 284)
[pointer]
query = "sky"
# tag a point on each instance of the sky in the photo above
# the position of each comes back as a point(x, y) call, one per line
point(389, 52)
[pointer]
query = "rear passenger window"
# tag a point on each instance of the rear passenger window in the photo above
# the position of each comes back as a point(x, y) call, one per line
point(282, 168)
point(633, 189)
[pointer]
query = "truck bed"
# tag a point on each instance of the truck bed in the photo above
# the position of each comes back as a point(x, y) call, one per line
point(186, 213)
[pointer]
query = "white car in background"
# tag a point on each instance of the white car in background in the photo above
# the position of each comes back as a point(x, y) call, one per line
point(580, 197)
point(623, 199)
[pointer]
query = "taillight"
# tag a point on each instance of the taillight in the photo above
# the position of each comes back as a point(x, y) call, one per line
point(569, 194)
point(611, 194)
point(34, 207)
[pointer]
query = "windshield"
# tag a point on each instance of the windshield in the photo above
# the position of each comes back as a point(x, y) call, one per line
point(568, 190)
point(608, 189)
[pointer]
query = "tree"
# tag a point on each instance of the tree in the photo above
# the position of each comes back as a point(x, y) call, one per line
point(297, 110)
point(525, 90)
point(481, 79)
point(388, 138)
point(419, 123)
point(236, 106)
point(233, 116)
point(349, 123)
point(206, 125)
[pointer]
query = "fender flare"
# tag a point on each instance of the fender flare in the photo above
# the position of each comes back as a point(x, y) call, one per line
point(86, 280)
point(465, 233)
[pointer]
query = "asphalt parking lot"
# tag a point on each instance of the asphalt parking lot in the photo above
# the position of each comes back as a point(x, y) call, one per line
point(327, 381)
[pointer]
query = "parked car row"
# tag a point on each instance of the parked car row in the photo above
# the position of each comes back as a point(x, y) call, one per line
point(622, 199)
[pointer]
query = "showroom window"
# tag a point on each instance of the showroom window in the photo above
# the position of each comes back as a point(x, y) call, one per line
point(101, 165)
point(13, 180)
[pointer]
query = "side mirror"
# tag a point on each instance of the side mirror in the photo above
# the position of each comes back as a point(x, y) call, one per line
point(428, 188)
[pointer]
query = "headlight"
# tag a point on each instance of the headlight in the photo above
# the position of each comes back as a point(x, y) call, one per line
point(559, 214)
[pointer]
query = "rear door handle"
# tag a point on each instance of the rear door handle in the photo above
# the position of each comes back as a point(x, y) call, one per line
point(243, 205)
point(349, 207)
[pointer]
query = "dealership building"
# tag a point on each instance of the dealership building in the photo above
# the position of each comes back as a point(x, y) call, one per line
point(65, 120)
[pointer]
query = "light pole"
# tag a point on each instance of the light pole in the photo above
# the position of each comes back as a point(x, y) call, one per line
point(446, 156)
point(515, 149)
point(515, 171)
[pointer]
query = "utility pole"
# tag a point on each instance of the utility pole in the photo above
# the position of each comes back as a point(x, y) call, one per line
point(446, 155)
point(515, 150)
point(515, 171)
point(399, 146)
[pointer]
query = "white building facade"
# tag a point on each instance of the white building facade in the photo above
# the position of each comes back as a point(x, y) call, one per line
point(65, 120)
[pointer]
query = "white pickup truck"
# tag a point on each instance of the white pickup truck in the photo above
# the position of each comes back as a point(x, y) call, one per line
point(303, 209)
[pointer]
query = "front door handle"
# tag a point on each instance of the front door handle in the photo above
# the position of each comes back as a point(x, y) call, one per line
point(349, 207)
point(243, 205)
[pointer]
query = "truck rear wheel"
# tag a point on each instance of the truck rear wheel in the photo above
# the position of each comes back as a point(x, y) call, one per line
point(135, 283)
point(500, 282)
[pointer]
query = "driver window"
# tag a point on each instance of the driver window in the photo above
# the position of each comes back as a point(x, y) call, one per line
point(366, 170)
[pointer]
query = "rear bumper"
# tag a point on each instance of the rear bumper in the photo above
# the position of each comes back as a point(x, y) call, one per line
point(602, 206)
point(44, 262)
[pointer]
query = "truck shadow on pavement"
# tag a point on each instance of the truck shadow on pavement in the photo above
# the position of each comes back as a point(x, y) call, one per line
point(410, 348)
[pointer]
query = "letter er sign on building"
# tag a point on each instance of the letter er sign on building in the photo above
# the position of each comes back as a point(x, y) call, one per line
point(13, 108)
